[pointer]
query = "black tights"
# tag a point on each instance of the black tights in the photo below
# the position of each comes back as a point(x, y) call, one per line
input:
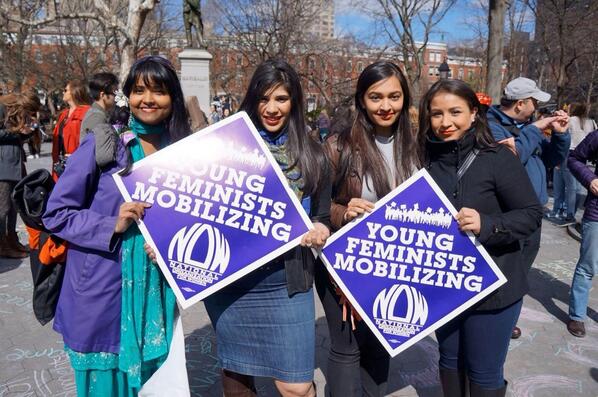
point(8, 213)
point(357, 363)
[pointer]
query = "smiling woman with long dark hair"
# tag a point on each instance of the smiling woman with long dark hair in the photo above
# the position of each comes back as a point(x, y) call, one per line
point(370, 158)
point(116, 312)
point(497, 203)
point(265, 322)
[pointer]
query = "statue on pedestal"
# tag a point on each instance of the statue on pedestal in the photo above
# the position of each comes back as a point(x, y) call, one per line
point(192, 18)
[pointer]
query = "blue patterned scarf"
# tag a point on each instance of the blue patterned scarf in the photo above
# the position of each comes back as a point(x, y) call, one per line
point(277, 146)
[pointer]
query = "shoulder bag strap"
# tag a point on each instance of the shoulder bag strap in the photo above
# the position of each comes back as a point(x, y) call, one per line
point(468, 160)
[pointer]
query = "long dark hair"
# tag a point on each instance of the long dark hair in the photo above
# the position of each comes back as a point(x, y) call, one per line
point(303, 151)
point(481, 131)
point(159, 71)
point(156, 70)
point(358, 142)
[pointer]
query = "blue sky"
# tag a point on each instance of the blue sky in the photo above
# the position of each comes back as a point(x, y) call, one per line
point(458, 24)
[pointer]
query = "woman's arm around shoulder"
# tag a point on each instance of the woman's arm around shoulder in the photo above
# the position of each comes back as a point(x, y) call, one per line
point(321, 200)
point(333, 152)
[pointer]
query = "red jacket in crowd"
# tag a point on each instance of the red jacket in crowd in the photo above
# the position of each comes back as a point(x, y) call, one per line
point(70, 132)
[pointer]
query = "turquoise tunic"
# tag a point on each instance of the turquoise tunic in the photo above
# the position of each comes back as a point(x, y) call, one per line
point(147, 319)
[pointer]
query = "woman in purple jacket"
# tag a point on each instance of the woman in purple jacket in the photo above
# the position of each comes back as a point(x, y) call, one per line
point(588, 252)
point(102, 318)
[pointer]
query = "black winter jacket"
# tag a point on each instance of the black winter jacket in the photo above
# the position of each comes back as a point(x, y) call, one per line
point(497, 186)
point(11, 152)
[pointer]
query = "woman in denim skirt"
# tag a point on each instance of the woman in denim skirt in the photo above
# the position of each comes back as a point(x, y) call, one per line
point(265, 322)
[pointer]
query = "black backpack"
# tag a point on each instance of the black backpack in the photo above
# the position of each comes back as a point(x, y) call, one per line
point(30, 197)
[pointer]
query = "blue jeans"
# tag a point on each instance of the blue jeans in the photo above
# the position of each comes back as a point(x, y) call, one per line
point(478, 343)
point(587, 265)
point(564, 190)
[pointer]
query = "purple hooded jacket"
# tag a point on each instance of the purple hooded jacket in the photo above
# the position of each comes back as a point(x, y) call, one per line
point(82, 210)
point(586, 150)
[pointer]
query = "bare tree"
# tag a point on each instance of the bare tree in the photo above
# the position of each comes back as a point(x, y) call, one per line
point(400, 20)
point(16, 61)
point(496, 31)
point(564, 29)
point(264, 29)
point(122, 19)
point(247, 32)
point(585, 76)
point(331, 68)
point(517, 47)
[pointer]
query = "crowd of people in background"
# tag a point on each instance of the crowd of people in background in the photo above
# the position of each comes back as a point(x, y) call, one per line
point(220, 108)
point(494, 163)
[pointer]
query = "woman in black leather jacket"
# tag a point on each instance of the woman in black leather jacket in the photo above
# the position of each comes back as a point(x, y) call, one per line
point(496, 202)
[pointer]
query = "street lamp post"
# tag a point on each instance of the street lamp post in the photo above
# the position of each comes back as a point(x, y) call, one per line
point(444, 70)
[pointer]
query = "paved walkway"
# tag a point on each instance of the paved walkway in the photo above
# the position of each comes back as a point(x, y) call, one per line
point(545, 362)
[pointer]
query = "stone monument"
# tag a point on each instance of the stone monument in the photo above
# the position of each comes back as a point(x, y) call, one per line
point(195, 59)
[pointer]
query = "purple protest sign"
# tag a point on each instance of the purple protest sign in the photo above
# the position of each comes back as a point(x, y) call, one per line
point(221, 207)
point(406, 268)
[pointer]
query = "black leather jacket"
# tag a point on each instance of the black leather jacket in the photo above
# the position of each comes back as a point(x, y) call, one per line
point(299, 262)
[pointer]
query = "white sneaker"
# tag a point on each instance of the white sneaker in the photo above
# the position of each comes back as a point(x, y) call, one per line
point(36, 156)
point(29, 157)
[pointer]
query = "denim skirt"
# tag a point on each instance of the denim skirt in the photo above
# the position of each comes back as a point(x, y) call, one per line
point(260, 330)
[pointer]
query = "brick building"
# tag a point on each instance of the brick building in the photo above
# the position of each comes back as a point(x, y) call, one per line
point(328, 75)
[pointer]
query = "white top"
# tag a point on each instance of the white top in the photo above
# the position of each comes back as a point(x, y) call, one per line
point(579, 131)
point(385, 145)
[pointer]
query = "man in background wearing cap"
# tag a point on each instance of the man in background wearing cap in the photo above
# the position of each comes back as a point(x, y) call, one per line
point(512, 123)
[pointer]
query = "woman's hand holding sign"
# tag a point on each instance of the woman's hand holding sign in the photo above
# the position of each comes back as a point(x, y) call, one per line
point(356, 207)
point(129, 213)
point(316, 237)
point(469, 220)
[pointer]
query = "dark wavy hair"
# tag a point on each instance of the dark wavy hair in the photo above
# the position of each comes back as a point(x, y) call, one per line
point(357, 144)
point(483, 136)
point(303, 151)
point(156, 70)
